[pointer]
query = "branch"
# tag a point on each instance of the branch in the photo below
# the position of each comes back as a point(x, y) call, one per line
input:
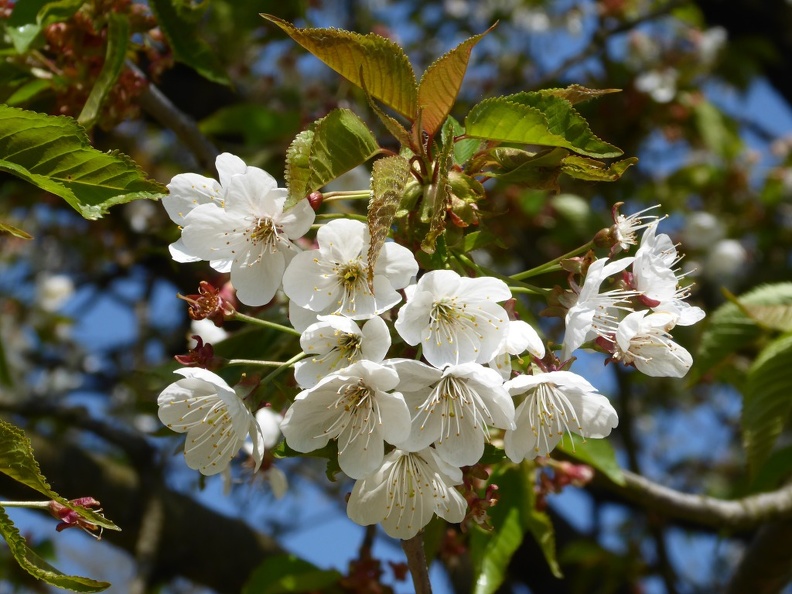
point(734, 515)
point(416, 561)
point(766, 567)
point(159, 107)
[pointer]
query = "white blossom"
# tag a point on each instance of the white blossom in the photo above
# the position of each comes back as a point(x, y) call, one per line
point(333, 279)
point(250, 235)
point(406, 491)
point(336, 342)
point(53, 291)
point(455, 319)
point(625, 228)
point(657, 280)
point(453, 408)
point(353, 406)
point(188, 190)
point(215, 418)
point(520, 337)
point(554, 403)
point(594, 313)
point(642, 339)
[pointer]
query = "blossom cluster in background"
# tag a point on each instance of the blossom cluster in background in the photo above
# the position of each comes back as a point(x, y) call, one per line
point(411, 374)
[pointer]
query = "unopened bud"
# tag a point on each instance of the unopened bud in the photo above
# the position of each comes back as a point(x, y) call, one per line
point(315, 199)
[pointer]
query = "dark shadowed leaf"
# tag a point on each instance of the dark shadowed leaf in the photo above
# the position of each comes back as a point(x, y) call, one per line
point(187, 44)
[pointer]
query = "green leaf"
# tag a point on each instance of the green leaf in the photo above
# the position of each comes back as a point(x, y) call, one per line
point(597, 453)
point(53, 153)
point(767, 402)
point(773, 317)
point(16, 232)
point(577, 93)
point(389, 177)
point(298, 170)
point(31, 16)
point(338, 142)
point(283, 574)
point(115, 55)
point(532, 118)
point(17, 461)
point(730, 328)
point(441, 82)
point(187, 44)
point(592, 170)
point(514, 515)
point(38, 567)
point(378, 63)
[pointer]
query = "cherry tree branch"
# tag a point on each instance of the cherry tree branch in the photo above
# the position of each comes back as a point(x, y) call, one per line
point(416, 561)
point(701, 510)
point(766, 566)
point(159, 107)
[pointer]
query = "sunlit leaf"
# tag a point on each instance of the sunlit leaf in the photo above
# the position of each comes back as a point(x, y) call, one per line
point(597, 453)
point(441, 82)
point(285, 574)
point(18, 462)
point(389, 177)
point(532, 118)
point(187, 44)
point(333, 145)
point(375, 61)
point(38, 567)
point(767, 402)
point(115, 56)
point(53, 153)
point(298, 170)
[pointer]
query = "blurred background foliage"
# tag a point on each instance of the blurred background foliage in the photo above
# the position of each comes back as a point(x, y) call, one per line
point(89, 320)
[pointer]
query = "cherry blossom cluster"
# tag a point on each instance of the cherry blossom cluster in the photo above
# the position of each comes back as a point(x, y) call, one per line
point(409, 375)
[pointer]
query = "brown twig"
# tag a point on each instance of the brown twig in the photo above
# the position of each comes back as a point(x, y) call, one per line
point(416, 561)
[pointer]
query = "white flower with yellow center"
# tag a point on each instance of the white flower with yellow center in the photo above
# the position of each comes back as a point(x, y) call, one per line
point(333, 279)
point(336, 342)
point(521, 337)
point(405, 492)
point(455, 319)
point(215, 418)
point(453, 408)
point(250, 234)
point(354, 407)
point(554, 403)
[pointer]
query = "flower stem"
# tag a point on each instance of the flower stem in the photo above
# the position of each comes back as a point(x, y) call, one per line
point(283, 367)
point(31, 504)
point(266, 323)
point(349, 195)
point(552, 264)
point(416, 562)
point(509, 280)
point(255, 362)
point(340, 215)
